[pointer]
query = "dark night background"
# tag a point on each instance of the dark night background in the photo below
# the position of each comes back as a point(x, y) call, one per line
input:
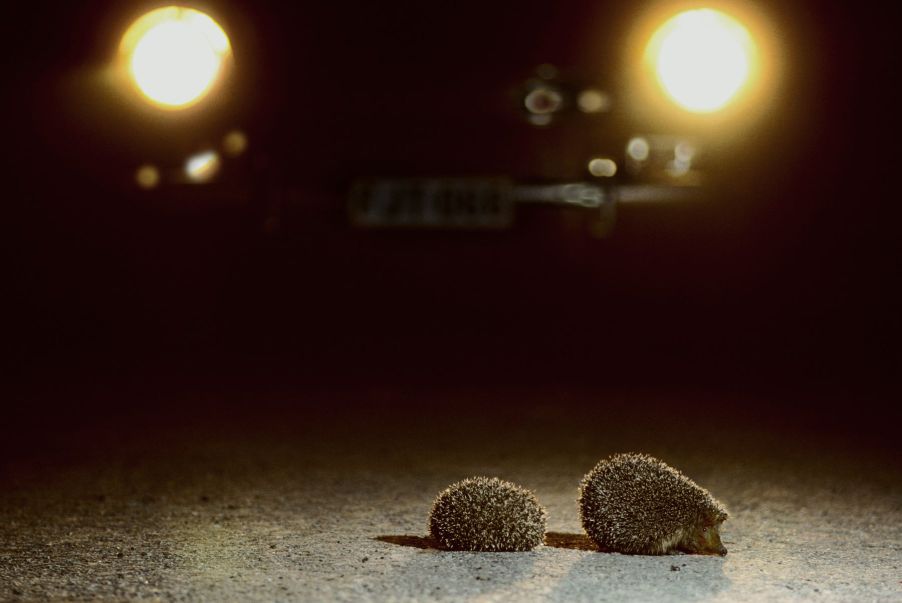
point(785, 282)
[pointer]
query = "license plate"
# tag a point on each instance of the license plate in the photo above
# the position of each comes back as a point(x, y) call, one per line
point(432, 203)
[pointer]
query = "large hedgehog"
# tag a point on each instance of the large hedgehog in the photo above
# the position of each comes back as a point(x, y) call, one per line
point(634, 503)
point(487, 514)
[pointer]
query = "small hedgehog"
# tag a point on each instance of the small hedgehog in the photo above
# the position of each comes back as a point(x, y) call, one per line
point(636, 504)
point(487, 514)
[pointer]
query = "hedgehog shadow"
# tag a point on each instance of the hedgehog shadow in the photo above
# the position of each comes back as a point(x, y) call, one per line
point(566, 540)
point(409, 540)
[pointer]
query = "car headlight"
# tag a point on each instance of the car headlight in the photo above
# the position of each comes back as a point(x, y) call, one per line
point(174, 56)
point(710, 69)
point(702, 59)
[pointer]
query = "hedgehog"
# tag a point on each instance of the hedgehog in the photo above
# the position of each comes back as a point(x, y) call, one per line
point(636, 504)
point(487, 514)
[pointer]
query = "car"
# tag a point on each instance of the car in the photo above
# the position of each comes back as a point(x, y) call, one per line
point(410, 117)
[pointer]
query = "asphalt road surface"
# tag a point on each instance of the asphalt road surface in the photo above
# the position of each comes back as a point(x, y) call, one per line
point(324, 496)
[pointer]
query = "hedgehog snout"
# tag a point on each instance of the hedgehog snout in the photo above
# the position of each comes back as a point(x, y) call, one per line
point(706, 540)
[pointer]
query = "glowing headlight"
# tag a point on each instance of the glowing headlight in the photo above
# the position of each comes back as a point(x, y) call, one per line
point(174, 55)
point(702, 59)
